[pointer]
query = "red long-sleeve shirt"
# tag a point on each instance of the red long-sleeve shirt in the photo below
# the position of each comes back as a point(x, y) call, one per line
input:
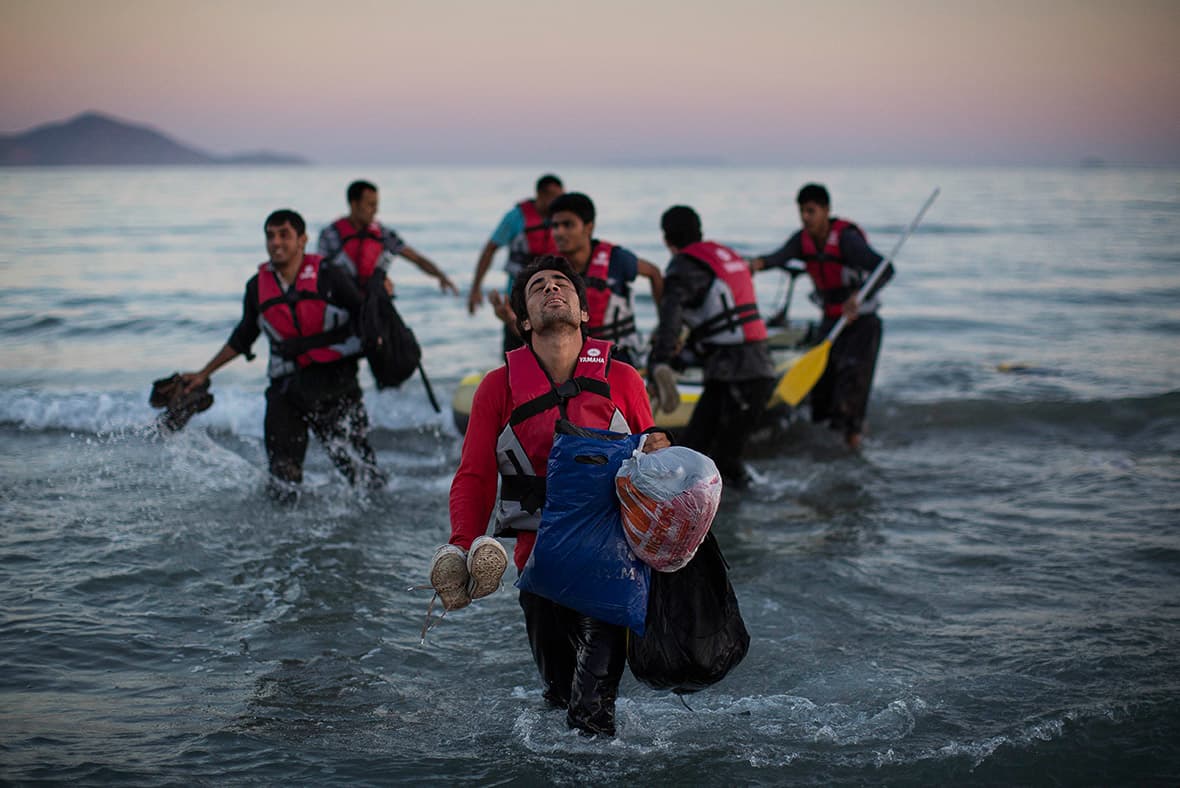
point(473, 490)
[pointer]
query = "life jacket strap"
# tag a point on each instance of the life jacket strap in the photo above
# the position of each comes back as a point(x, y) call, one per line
point(528, 491)
point(615, 330)
point(725, 321)
point(291, 349)
point(558, 396)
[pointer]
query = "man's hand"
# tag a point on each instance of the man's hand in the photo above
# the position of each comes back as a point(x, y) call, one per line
point(655, 441)
point(474, 299)
point(192, 380)
point(446, 285)
point(851, 308)
point(502, 308)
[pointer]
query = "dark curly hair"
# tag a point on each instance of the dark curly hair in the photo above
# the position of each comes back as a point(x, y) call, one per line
point(518, 300)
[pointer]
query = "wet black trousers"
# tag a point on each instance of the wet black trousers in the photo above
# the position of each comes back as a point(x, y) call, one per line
point(338, 420)
point(581, 661)
point(841, 396)
point(722, 421)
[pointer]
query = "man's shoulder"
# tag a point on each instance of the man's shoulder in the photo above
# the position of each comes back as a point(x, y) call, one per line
point(331, 271)
point(851, 233)
point(618, 251)
point(687, 264)
point(623, 261)
point(514, 215)
point(623, 374)
point(495, 380)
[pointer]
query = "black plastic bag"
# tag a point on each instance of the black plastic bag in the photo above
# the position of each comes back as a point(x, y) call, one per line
point(695, 633)
point(388, 343)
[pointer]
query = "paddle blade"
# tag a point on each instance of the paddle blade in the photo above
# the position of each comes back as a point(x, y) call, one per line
point(804, 374)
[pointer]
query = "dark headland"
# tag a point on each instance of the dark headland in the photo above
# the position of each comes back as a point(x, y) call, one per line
point(96, 139)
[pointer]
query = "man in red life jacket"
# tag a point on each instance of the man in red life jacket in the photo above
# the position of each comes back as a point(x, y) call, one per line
point(525, 230)
point(838, 259)
point(305, 309)
point(708, 288)
point(560, 371)
point(361, 246)
point(608, 271)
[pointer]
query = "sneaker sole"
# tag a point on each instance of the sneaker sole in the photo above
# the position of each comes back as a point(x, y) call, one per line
point(486, 566)
point(448, 576)
point(667, 392)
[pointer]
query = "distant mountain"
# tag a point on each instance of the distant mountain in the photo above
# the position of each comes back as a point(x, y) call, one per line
point(97, 139)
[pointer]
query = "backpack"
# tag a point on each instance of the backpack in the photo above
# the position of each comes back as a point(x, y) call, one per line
point(387, 342)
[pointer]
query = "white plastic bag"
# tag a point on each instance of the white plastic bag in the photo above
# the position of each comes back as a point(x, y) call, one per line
point(669, 499)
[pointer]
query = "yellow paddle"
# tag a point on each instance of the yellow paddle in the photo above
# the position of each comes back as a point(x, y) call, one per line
point(806, 372)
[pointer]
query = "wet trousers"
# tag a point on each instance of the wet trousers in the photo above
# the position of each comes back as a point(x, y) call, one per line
point(841, 397)
point(580, 659)
point(721, 423)
point(337, 418)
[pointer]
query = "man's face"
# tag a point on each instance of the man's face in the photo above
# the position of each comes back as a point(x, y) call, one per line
point(814, 217)
point(570, 233)
point(552, 300)
point(363, 211)
point(283, 243)
point(547, 194)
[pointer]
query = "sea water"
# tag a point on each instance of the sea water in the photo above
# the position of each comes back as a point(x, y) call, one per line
point(988, 593)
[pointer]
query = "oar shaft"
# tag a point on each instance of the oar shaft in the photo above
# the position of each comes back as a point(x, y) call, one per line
point(879, 271)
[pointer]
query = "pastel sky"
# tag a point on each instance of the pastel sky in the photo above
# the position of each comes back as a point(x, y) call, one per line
point(521, 81)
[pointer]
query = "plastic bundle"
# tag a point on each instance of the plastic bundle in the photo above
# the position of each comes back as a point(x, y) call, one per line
point(669, 499)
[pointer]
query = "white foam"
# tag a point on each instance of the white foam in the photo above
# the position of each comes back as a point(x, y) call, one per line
point(237, 411)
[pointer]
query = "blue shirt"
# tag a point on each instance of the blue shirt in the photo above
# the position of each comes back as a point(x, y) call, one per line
point(622, 270)
point(510, 226)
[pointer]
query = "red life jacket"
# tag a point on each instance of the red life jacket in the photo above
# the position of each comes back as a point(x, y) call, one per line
point(315, 331)
point(728, 315)
point(612, 316)
point(522, 450)
point(364, 247)
point(832, 281)
point(537, 231)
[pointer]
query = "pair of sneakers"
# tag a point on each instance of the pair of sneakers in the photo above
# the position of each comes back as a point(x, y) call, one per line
point(459, 577)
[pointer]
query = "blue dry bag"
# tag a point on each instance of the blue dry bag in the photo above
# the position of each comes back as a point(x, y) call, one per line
point(581, 559)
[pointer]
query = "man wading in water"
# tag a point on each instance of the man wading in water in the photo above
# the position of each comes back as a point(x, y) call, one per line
point(305, 308)
point(513, 416)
